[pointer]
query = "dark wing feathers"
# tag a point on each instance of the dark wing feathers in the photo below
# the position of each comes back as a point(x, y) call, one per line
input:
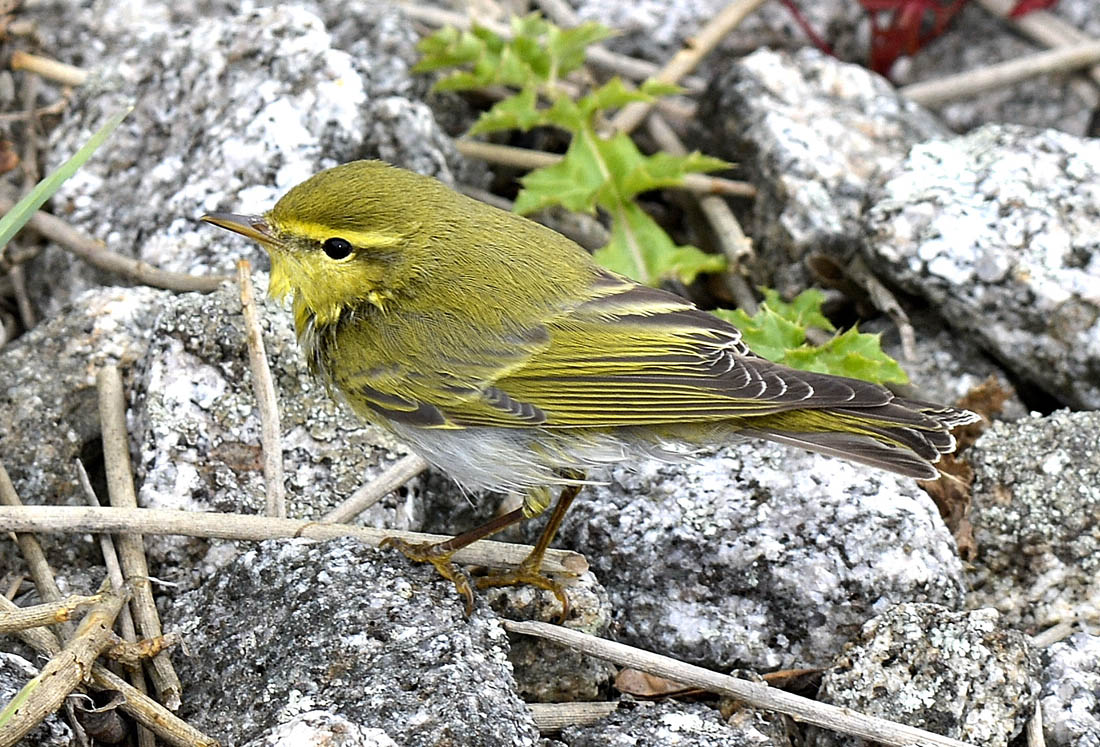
point(636, 356)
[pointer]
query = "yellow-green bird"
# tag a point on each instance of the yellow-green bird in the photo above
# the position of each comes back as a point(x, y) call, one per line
point(498, 350)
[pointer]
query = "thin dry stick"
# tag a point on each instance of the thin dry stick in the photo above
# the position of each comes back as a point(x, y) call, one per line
point(934, 93)
point(118, 580)
point(1035, 728)
point(264, 388)
point(734, 243)
point(551, 717)
point(61, 72)
point(131, 547)
point(684, 61)
point(757, 694)
point(76, 519)
point(1053, 634)
point(49, 613)
point(1051, 31)
point(95, 254)
point(45, 692)
point(397, 475)
point(144, 709)
point(884, 301)
point(32, 552)
point(534, 159)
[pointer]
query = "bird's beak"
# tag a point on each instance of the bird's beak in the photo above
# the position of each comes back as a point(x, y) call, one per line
point(251, 226)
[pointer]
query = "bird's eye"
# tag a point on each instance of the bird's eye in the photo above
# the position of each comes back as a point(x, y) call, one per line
point(337, 248)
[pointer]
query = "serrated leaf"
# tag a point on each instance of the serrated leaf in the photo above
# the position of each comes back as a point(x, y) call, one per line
point(804, 310)
point(612, 95)
point(778, 332)
point(851, 353)
point(518, 112)
point(640, 249)
point(571, 183)
point(570, 46)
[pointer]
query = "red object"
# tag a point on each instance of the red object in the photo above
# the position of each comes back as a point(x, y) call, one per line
point(1023, 7)
point(902, 27)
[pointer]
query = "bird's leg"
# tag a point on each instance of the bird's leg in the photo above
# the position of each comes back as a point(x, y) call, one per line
point(439, 554)
point(528, 571)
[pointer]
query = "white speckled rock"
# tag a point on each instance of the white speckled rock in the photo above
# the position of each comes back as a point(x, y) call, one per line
point(1071, 692)
point(1036, 516)
point(959, 674)
point(999, 230)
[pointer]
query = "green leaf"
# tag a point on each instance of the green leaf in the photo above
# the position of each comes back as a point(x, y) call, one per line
point(18, 216)
point(571, 183)
point(778, 332)
point(640, 249)
point(518, 112)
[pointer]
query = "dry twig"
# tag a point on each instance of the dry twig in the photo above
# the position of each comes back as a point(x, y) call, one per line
point(684, 61)
point(74, 519)
point(95, 254)
point(44, 693)
point(551, 717)
point(140, 706)
point(39, 568)
point(264, 388)
point(1051, 31)
point(118, 580)
point(757, 694)
point(934, 93)
point(397, 475)
point(49, 613)
point(59, 72)
point(131, 546)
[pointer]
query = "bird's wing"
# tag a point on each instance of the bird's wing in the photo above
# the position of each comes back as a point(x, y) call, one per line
point(641, 356)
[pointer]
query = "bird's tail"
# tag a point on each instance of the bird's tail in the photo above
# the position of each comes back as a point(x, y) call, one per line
point(903, 436)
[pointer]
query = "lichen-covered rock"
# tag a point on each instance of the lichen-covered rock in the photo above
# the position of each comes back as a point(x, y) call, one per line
point(1070, 697)
point(1036, 516)
point(682, 724)
point(958, 674)
point(811, 132)
point(759, 556)
point(232, 109)
point(295, 626)
point(998, 230)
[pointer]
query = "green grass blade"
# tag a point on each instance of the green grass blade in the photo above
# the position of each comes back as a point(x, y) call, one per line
point(18, 216)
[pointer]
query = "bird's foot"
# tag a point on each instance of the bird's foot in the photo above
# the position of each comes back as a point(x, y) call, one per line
point(429, 552)
point(528, 573)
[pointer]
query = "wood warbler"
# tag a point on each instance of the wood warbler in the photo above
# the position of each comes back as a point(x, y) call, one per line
point(506, 357)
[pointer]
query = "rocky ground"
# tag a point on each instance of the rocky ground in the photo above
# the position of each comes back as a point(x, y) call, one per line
point(981, 217)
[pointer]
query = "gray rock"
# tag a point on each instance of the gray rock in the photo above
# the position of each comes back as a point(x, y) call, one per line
point(321, 728)
point(759, 556)
point(48, 411)
point(15, 672)
point(1070, 697)
point(656, 29)
point(998, 229)
point(959, 674)
point(232, 110)
point(811, 132)
point(1036, 516)
point(546, 672)
point(337, 627)
point(197, 426)
point(641, 724)
point(977, 39)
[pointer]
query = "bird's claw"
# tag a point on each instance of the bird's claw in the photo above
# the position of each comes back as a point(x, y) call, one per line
point(528, 573)
point(427, 552)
